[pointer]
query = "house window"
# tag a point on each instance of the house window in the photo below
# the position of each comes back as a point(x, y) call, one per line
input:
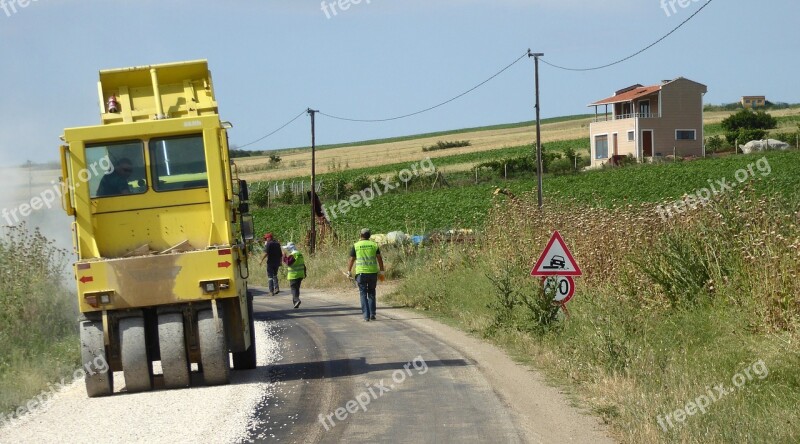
point(644, 108)
point(631, 136)
point(601, 147)
point(685, 135)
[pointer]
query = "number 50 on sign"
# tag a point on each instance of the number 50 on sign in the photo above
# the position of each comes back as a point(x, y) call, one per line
point(561, 287)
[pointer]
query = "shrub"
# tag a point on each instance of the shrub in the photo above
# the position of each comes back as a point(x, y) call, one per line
point(520, 164)
point(360, 182)
point(259, 194)
point(747, 125)
point(749, 119)
point(714, 144)
point(333, 186)
point(679, 266)
point(562, 166)
point(790, 138)
point(440, 145)
point(234, 153)
point(520, 306)
point(745, 135)
point(288, 198)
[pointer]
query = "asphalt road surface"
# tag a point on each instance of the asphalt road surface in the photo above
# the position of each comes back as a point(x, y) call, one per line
point(324, 375)
point(400, 378)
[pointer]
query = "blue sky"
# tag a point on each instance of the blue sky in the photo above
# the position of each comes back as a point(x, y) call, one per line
point(273, 58)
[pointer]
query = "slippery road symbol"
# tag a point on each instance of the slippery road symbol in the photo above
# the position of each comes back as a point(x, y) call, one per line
point(556, 260)
point(556, 263)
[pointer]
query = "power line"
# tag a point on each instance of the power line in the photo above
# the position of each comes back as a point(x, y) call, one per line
point(638, 52)
point(432, 107)
point(664, 37)
point(270, 134)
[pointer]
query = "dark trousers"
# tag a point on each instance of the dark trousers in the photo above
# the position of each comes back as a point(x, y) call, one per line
point(272, 276)
point(367, 284)
point(294, 284)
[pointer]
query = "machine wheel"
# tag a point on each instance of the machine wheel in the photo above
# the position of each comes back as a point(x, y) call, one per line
point(246, 360)
point(172, 344)
point(135, 365)
point(213, 349)
point(93, 354)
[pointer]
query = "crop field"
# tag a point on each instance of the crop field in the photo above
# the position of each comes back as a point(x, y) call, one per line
point(297, 163)
point(433, 134)
point(411, 150)
point(456, 162)
point(467, 206)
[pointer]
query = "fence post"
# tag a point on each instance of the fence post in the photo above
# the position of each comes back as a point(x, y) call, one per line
point(505, 171)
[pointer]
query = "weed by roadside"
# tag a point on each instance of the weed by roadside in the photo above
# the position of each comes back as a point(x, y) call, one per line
point(664, 310)
point(38, 329)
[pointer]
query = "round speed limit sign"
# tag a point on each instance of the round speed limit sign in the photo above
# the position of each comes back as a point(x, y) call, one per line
point(562, 287)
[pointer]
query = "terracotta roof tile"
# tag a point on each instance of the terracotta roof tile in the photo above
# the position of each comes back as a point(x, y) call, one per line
point(629, 95)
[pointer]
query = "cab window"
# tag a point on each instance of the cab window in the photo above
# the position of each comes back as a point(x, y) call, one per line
point(115, 169)
point(178, 163)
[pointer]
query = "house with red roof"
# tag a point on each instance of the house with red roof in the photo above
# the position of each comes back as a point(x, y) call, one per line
point(649, 122)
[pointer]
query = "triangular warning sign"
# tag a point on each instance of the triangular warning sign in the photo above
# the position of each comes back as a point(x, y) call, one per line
point(556, 260)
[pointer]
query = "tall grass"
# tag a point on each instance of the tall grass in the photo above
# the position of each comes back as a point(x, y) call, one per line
point(38, 335)
point(664, 309)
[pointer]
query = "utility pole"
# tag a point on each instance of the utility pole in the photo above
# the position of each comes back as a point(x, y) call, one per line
point(313, 240)
point(539, 163)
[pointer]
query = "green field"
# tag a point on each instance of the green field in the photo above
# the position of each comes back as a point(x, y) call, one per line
point(467, 206)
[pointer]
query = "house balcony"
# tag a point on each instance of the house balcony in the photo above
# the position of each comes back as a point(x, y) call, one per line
point(609, 118)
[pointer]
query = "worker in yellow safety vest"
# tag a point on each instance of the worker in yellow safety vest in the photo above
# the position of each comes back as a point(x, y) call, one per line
point(296, 263)
point(366, 256)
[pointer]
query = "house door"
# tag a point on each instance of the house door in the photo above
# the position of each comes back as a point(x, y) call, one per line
point(647, 143)
point(615, 143)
